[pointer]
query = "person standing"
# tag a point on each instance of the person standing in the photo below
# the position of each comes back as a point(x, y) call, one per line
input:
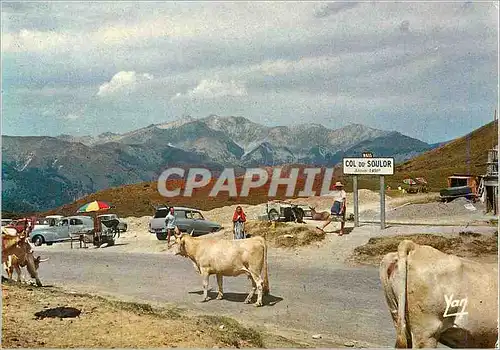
point(170, 221)
point(239, 220)
point(338, 207)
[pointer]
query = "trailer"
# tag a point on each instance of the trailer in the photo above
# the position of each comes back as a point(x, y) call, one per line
point(287, 211)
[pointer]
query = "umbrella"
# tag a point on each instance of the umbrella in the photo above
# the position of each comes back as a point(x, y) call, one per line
point(94, 206)
point(409, 182)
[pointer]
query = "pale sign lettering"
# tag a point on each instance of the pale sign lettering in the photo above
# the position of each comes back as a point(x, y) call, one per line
point(368, 166)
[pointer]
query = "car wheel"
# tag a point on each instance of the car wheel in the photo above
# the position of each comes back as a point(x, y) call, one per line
point(37, 240)
point(273, 215)
point(161, 236)
point(301, 215)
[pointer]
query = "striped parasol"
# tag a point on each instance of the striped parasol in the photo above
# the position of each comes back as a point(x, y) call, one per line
point(409, 182)
point(94, 206)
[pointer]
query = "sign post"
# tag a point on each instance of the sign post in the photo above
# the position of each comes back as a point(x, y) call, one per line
point(382, 202)
point(355, 194)
point(368, 165)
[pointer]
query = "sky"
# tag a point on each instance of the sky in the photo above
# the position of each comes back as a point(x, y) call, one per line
point(426, 69)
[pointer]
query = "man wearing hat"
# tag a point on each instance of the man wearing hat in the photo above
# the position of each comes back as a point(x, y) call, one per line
point(338, 207)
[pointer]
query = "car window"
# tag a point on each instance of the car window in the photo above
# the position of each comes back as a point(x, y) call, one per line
point(180, 214)
point(197, 215)
point(161, 213)
point(76, 222)
point(64, 222)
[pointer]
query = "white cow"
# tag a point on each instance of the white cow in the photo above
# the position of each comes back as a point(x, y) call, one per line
point(435, 297)
point(227, 258)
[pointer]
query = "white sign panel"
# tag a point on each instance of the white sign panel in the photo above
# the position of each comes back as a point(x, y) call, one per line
point(368, 166)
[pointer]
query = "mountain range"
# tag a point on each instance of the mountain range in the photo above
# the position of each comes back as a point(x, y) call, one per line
point(41, 172)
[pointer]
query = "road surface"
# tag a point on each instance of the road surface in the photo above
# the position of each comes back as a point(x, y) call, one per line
point(338, 302)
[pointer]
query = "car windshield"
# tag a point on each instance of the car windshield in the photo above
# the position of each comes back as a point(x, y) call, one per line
point(197, 215)
point(161, 213)
point(42, 222)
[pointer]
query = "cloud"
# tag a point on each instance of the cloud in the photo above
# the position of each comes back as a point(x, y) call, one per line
point(212, 89)
point(123, 81)
point(33, 40)
point(72, 117)
point(273, 62)
point(404, 26)
point(332, 8)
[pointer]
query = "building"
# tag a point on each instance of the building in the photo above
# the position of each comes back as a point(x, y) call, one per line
point(489, 182)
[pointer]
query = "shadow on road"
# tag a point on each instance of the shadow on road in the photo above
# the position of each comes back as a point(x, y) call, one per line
point(267, 300)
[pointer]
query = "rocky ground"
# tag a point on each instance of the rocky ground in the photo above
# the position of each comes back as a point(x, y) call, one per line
point(58, 319)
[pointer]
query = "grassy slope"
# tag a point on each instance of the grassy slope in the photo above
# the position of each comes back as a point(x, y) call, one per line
point(435, 166)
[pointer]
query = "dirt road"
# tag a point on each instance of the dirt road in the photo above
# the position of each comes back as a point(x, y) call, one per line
point(338, 302)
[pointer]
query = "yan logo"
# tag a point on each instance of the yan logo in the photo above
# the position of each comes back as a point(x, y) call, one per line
point(455, 304)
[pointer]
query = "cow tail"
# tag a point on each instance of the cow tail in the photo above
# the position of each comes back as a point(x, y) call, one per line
point(387, 267)
point(266, 288)
point(403, 334)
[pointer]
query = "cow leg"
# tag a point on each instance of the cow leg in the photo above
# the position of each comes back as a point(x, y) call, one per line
point(259, 282)
point(205, 286)
point(219, 283)
point(252, 291)
point(18, 272)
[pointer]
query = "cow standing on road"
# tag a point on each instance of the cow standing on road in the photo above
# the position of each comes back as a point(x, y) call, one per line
point(435, 297)
point(17, 252)
point(227, 258)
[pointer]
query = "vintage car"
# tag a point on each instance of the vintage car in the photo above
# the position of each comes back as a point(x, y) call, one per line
point(62, 230)
point(122, 225)
point(20, 224)
point(186, 219)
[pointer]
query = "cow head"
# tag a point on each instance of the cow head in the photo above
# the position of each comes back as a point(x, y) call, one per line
point(38, 260)
point(180, 240)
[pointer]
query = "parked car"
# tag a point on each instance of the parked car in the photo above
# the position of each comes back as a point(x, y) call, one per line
point(48, 221)
point(187, 219)
point(122, 226)
point(62, 230)
point(19, 224)
point(6, 222)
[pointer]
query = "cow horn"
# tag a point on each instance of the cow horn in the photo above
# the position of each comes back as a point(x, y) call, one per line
point(191, 232)
point(42, 260)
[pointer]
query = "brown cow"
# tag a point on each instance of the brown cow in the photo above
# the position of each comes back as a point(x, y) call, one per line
point(17, 252)
point(227, 258)
point(435, 297)
point(321, 216)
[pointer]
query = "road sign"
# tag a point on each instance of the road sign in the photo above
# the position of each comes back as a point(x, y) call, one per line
point(368, 166)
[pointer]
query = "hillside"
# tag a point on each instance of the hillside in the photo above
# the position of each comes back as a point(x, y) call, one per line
point(140, 199)
point(434, 165)
point(465, 155)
